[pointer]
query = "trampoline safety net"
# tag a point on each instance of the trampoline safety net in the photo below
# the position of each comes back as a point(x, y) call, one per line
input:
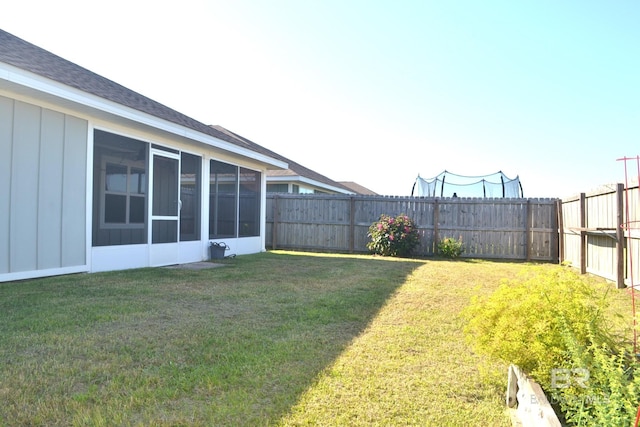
point(447, 184)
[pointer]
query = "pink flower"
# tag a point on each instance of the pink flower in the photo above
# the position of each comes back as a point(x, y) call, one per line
point(380, 226)
point(390, 236)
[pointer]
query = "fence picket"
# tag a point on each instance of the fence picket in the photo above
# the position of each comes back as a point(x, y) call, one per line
point(593, 232)
point(489, 228)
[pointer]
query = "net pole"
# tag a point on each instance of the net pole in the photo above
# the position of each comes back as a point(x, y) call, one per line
point(635, 336)
point(627, 228)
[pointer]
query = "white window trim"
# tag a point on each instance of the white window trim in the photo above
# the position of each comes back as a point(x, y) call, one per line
point(103, 192)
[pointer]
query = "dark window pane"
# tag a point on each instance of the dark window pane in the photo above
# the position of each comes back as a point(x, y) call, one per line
point(136, 210)
point(277, 188)
point(115, 209)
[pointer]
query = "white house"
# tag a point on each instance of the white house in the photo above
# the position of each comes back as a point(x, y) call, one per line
point(96, 177)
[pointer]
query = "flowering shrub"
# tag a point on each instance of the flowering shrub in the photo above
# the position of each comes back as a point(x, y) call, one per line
point(393, 236)
point(450, 247)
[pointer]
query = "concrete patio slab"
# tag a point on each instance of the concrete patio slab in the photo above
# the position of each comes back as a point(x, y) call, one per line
point(202, 265)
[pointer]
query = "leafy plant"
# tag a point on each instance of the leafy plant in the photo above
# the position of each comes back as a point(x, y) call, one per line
point(526, 321)
point(391, 236)
point(450, 247)
point(552, 325)
point(611, 392)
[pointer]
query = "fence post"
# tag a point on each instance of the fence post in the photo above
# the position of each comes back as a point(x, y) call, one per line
point(352, 224)
point(274, 227)
point(560, 232)
point(583, 233)
point(528, 231)
point(620, 240)
point(436, 231)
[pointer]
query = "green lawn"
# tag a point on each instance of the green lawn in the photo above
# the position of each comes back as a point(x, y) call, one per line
point(278, 338)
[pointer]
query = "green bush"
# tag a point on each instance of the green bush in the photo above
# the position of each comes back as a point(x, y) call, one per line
point(391, 236)
point(525, 321)
point(611, 392)
point(552, 322)
point(450, 247)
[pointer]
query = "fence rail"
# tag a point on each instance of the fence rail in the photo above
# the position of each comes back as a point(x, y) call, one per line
point(523, 229)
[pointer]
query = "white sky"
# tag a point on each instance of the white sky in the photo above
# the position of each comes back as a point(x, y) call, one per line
point(379, 92)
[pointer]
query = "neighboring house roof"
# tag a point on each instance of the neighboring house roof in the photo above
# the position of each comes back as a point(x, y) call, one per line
point(26, 56)
point(359, 189)
point(295, 170)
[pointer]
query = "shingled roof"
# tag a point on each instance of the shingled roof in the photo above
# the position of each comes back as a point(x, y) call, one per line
point(295, 169)
point(358, 189)
point(29, 57)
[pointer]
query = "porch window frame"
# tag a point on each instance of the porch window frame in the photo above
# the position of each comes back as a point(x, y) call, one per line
point(104, 192)
point(214, 204)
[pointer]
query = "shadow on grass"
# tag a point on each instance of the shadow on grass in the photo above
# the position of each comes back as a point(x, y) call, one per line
point(236, 345)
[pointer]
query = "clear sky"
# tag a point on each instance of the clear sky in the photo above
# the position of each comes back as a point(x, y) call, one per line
point(379, 92)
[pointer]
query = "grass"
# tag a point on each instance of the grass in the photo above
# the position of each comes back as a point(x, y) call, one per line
point(277, 338)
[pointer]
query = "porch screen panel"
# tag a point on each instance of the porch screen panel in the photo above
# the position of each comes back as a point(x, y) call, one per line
point(165, 186)
point(223, 200)
point(120, 182)
point(249, 206)
point(190, 191)
point(165, 200)
point(164, 231)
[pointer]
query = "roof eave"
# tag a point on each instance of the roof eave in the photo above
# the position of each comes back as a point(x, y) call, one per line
point(302, 179)
point(18, 76)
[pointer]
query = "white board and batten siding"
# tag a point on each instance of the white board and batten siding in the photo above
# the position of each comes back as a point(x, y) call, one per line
point(43, 197)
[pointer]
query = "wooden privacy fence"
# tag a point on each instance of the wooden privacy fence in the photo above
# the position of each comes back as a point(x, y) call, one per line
point(523, 229)
point(599, 233)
